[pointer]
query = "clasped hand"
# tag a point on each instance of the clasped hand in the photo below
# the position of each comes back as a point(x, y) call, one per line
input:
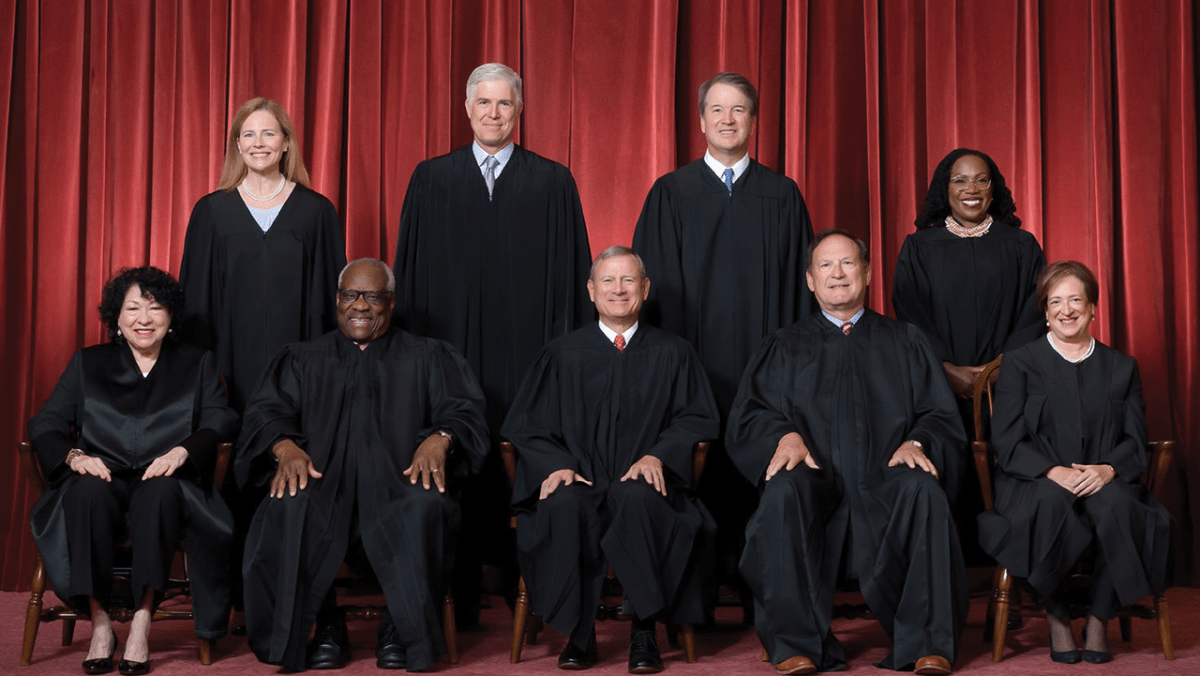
point(1082, 480)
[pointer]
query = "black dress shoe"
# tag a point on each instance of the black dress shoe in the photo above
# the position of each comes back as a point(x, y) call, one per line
point(1095, 656)
point(330, 647)
point(643, 653)
point(128, 668)
point(573, 658)
point(1063, 657)
point(101, 665)
point(389, 654)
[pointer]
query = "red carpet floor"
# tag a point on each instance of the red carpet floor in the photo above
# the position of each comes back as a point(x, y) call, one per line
point(724, 651)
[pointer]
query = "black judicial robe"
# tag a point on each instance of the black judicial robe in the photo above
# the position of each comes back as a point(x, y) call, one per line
point(593, 409)
point(854, 400)
point(498, 278)
point(360, 415)
point(1050, 412)
point(251, 292)
point(127, 421)
point(974, 297)
point(728, 268)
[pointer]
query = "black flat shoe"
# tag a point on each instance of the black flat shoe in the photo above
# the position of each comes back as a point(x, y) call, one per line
point(389, 654)
point(574, 659)
point(128, 668)
point(643, 653)
point(101, 665)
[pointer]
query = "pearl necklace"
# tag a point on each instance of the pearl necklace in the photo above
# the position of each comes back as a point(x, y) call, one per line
point(977, 231)
point(1086, 354)
point(264, 198)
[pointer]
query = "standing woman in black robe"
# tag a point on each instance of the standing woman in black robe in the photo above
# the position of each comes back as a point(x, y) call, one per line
point(262, 252)
point(966, 278)
point(1069, 428)
point(260, 265)
point(132, 427)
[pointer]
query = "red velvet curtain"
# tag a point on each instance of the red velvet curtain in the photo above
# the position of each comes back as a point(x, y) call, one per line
point(113, 118)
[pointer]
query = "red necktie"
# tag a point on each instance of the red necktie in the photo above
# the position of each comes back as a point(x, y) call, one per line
point(620, 342)
point(846, 326)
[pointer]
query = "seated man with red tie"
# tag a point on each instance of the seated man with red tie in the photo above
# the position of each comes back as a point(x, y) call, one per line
point(604, 425)
point(846, 421)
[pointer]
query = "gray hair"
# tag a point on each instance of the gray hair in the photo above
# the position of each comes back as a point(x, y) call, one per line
point(616, 251)
point(496, 71)
point(738, 82)
point(375, 263)
point(864, 254)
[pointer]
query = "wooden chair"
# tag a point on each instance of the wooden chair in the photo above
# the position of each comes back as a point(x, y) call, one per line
point(1005, 599)
point(35, 614)
point(526, 630)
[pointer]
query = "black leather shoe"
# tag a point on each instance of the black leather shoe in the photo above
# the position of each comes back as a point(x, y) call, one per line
point(1064, 657)
point(102, 665)
point(1095, 656)
point(330, 647)
point(643, 653)
point(574, 659)
point(128, 668)
point(389, 654)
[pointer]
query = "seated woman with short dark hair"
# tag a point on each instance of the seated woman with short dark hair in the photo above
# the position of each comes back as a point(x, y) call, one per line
point(1069, 427)
point(133, 427)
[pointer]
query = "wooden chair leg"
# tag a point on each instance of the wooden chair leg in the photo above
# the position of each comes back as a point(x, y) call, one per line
point(689, 642)
point(1000, 595)
point(532, 628)
point(1126, 624)
point(33, 613)
point(204, 648)
point(68, 632)
point(520, 617)
point(449, 628)
point(1163, 615)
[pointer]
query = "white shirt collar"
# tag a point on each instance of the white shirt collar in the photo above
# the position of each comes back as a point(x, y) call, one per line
point(612, 335)
point(738, 167)
point(503, 156)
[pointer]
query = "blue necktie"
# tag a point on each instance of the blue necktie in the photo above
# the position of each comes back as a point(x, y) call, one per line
point(489, 173)
point(729, 179)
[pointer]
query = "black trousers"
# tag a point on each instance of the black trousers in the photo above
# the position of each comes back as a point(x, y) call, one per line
point(94, 509)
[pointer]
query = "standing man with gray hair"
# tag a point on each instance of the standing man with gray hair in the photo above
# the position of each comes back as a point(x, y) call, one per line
point(491, 258)
point(725, 237)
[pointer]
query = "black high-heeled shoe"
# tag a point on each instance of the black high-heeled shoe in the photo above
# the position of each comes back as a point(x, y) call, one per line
point(128, 668)
point(102, 665)
point(1064, 657)
point(1094, 656)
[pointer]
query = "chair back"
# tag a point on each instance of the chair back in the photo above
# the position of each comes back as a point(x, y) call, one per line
point(984, 384)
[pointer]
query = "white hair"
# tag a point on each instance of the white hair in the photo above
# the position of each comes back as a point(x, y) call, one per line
point(495, 71)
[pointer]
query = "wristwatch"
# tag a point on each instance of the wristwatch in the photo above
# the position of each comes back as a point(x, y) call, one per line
point(914, 442)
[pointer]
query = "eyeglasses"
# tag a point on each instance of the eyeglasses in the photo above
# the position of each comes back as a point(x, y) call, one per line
point(348, 296)
point(982, 182)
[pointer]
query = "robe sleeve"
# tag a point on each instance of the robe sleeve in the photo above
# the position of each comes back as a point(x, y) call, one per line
point(535, 427)
point(457, 405)
point(937, 425)
point(694, 418)
point(197, 276)
point(657, 240)
point(215, 420)
point(1031, 321)
point(330, 253)
point(1017, 452)
point(911, 297)
point(411, 285)
point(570, 294)
point(51, 430)
point(757, 420)
point(272, 415)
point(1128, 455)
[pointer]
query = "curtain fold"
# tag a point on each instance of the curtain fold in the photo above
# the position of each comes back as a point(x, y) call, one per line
point(113, 122)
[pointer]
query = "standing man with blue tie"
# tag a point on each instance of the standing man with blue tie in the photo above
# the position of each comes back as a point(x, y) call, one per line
point(726, 238)
point(491, 258)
